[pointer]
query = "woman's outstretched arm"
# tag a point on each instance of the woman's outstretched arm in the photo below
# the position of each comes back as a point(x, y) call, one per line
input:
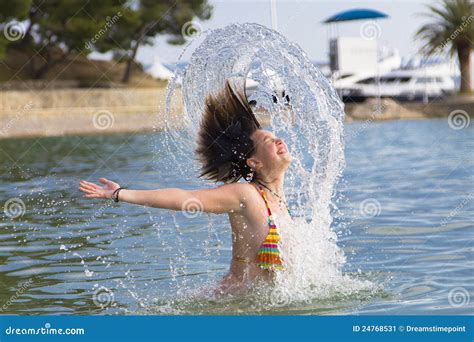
point(223, 199)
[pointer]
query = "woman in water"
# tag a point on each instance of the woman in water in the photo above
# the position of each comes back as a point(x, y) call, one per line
point(231, 146)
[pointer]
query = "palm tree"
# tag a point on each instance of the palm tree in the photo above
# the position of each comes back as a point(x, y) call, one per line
point(452, 26)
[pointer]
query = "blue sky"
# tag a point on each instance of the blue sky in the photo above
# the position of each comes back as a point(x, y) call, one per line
point(300, 21)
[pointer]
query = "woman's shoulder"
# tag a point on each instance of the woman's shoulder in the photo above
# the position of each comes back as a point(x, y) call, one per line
point(243, 190)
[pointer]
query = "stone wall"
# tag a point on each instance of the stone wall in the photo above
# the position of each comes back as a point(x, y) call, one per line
point(83, 111)
point(102, 111)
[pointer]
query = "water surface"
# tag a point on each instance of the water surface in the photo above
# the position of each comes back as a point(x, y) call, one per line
point(403, 216)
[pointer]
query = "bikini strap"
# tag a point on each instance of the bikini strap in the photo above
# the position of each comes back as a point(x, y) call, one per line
point(268, 256)
point(262, 193)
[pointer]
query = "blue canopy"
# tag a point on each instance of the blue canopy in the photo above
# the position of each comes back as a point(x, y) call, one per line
point(355, 14)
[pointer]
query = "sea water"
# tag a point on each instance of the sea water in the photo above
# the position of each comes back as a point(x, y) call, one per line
point(402, 216)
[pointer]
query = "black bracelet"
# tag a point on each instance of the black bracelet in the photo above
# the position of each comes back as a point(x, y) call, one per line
point(115, 194)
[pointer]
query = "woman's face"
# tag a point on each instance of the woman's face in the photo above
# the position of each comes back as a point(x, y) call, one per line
point(271, 152)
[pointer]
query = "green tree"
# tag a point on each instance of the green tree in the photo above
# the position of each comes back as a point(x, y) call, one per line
point(144, 19)
point(12, 31)
point(452, 26)
point(55, 29)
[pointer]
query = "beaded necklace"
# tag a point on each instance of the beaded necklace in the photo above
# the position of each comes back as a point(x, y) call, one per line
point(280, 199)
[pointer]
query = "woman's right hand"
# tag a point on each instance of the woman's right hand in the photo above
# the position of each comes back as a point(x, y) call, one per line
point(92, 190)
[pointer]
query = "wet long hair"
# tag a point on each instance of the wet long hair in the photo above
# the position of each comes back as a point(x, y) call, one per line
point(224, 142)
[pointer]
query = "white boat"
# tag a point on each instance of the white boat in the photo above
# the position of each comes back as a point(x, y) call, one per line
point(414, 81)
point(343, 80)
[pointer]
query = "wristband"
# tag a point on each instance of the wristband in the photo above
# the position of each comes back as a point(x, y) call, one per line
point(115, 194)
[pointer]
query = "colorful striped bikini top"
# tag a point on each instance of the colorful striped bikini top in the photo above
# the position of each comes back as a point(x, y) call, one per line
point(268, 256)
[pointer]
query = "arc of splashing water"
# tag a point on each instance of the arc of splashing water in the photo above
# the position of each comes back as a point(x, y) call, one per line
point(228, 53)
point(315, 136)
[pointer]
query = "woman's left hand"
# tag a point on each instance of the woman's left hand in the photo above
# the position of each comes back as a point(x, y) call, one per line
point(95, 191)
